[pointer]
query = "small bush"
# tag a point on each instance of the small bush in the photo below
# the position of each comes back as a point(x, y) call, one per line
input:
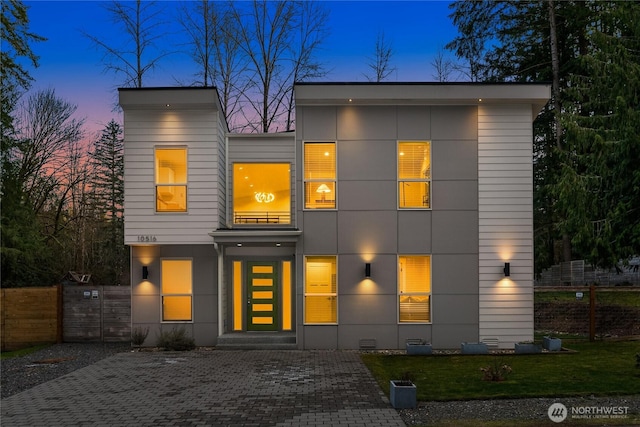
point(176, 339)
point(497, 371)
point(138, 335)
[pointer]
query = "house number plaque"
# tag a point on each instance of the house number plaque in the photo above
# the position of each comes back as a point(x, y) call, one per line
point(147, 238)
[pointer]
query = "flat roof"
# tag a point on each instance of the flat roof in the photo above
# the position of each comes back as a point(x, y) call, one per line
point(417, 93)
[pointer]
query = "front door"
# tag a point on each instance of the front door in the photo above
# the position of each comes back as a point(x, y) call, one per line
point(262, 299)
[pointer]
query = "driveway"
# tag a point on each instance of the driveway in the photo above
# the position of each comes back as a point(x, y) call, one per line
point(209, 388)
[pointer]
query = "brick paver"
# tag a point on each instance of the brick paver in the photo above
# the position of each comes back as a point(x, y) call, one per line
point(209, 388)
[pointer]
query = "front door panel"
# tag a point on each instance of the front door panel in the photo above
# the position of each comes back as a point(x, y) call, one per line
point(262, 298)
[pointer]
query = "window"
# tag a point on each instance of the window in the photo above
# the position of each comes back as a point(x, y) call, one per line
point(414, 175)
point(320, 175)
point(176, 290)
point(414, 288)
point(320, 290)
point(261, 193)
point(171, 179)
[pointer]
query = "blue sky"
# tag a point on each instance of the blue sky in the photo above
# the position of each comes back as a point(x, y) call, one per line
point(71, 65)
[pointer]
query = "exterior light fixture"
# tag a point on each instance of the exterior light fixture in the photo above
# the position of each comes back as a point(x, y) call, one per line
point(507, 269)
point(367, 270)
point(145, 272)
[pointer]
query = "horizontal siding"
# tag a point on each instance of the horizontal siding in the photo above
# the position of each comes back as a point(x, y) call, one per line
point(199, 131)
point(505, 204)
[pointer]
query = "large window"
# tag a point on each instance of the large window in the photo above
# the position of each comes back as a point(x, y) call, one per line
point(177, 290)
point(320, 175)
point(414, 175)
point(261, 193)
point(414, 288)
point(171, 179)
point(320, 290)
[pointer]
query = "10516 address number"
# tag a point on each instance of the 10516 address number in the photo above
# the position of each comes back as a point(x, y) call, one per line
point(147, 239)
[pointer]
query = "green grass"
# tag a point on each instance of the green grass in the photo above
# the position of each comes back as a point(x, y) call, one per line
point(598, 368)
point(22, 351)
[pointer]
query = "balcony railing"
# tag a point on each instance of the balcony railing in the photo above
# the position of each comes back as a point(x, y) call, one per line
point(253, 217)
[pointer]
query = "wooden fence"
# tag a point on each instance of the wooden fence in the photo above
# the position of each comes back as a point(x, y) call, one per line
point(72, 313)
point(30, 316)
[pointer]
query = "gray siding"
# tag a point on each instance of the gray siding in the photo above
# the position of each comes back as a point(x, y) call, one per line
point(368, 226)
point(505, 191)
point(198, 131)
point(146, 297)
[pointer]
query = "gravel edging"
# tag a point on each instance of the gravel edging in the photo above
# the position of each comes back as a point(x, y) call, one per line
point(22, 373)
point(534, 409)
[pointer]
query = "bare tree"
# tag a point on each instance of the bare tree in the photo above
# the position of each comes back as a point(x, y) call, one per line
point(267, 35)
point(311, 30)
point(209, 26)
point(380, 63)
point(45, 129)
point(139, 21)
point(443, 67)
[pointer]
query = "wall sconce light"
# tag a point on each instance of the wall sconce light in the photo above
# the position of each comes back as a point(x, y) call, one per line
point(367, 270)
point(507, 269)
point(145, 272)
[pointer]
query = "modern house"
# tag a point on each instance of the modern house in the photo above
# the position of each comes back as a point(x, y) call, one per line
point(394, 212)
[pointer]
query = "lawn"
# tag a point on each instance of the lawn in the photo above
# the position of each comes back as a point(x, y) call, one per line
point(598, 368)
point(22, 352)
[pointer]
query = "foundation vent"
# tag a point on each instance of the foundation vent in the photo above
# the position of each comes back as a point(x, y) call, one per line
point(491, 342)
point(368, 343)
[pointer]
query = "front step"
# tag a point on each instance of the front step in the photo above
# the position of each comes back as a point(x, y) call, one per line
point(257, 341)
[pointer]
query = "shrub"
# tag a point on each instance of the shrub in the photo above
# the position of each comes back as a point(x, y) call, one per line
point(497, 371)
point(176, 339)
point(138, 335)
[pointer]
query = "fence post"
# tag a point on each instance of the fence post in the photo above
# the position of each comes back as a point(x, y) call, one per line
point(592, 313)
point(60, 313)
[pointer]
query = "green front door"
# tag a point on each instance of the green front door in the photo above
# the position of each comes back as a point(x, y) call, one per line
point(262, 300)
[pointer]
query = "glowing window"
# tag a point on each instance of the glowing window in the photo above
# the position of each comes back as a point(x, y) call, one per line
point(414, 289)
point(171, 179)
point(261, 193)
point(320, 175)
point(176, 290)
point(320, 290)
point(414, 175)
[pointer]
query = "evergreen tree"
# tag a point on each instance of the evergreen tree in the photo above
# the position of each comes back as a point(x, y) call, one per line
point(600, 177)
point(109, 256)
point(580, 47)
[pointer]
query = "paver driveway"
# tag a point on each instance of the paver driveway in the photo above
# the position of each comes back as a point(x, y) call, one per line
point(209, 388)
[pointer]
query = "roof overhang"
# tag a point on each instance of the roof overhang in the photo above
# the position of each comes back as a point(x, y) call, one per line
point(317, 94)
point(255, 237)
point(164, 98)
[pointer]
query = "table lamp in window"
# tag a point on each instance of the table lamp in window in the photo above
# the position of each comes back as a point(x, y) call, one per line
point(323, 189)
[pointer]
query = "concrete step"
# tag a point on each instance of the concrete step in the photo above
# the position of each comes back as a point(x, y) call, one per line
point(258, 341)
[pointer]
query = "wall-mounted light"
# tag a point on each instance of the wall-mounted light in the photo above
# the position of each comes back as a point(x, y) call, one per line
point(507, 269)
point(367, 270)
point(145, 272)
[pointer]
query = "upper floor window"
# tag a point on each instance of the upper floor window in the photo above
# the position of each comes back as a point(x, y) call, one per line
point(177, 290)
point(261, 193)
point(414, 288)
point(414, 175)
point(171, 179)
point(319, 175)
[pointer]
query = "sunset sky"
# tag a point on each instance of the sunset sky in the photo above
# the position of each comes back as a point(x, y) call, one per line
point(71, 65)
